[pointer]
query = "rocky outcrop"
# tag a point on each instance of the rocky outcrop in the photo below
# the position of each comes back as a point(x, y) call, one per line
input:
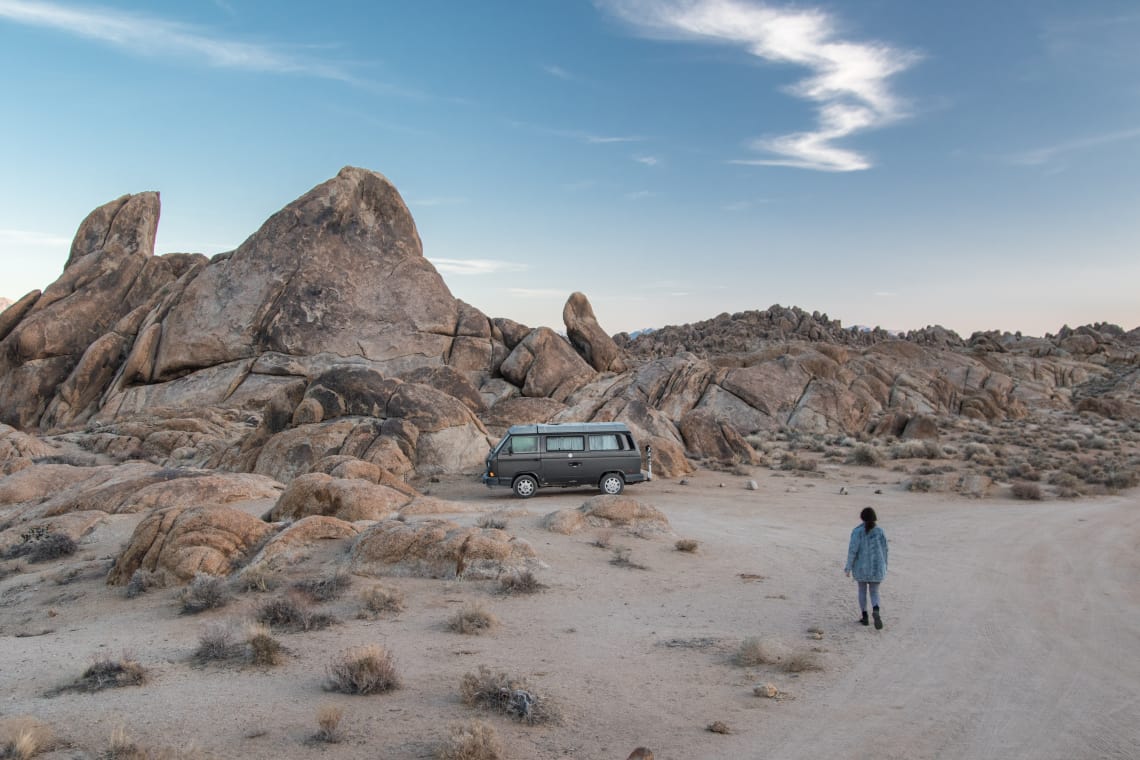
point(544, 364)
point(348, 500)
point(587, 336)
point(608, 512)
point(439, 549)
point(179, 542)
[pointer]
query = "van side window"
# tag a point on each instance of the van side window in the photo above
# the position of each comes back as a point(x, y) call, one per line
point(524, 444)
point(565, 443)
point(607, 442)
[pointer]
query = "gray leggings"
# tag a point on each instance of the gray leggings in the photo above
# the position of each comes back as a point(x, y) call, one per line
point(863, 586)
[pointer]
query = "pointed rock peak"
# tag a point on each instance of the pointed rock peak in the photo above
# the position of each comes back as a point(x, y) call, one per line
point(126, 225)
point(588, 337)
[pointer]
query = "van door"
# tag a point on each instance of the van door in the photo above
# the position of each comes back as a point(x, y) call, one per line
point(519, 455)
point(562, 460)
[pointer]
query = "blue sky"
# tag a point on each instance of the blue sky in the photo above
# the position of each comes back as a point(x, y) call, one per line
point(892, 163)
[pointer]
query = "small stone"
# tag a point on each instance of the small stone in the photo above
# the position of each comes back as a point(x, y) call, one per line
point(766, 690)
point(752, 485)
point(719, 727)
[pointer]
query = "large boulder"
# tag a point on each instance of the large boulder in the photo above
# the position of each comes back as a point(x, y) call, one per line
point(592, 342)
point(545, 364)
point(350, 500)
point(439, 549)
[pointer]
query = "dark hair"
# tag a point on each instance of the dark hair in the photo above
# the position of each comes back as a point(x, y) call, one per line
point(868, 517)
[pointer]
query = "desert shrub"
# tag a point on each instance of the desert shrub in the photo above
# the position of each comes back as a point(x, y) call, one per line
point(377, 600)
point(369, 669)
point(753, 651)
point(524, 582)
point(474, 740)
point(23, 738)
point(1028, 491)
point(797, 463)
point(1067, 444)
point(800, 662)
point(205, 592)
point(492, 521)
point(472, 619)
point(141, 581)
point(921, 485)
point(916, 450)
point(328, 724)
point(1098, 442)
point(1115, 479)
point(866, 455)
point(497, 691)
point(123, 747)
point(603, 539)
point(977, 451)
point(688, 545)
point(622, 557)
point(263, 648)
point(288, 613)
point(1022, 471)
point(42, 545)
point(324, 589)
point(259, 578)
point(109, 674)
point(215, 643)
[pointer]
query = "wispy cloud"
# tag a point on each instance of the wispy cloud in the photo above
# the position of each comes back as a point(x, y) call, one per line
point(475, 266)
point(559, 73)
point(639, 195)
point(146, 35)
point(745, 205)
point(31, 239)
point(647, 160)
point(1047, 154)
point(582, 184)
point(588, 138)
point(848, 79)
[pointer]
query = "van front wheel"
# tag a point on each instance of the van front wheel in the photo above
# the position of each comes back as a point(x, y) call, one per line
point(525, 486)
point(611, 484)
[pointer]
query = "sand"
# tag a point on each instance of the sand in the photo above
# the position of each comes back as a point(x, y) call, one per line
point(1012, 631)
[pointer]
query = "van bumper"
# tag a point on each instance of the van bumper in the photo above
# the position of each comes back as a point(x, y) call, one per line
point(491, 482)
point(639, 477)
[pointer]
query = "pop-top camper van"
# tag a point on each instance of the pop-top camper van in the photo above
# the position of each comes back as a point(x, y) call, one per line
point(598, 454)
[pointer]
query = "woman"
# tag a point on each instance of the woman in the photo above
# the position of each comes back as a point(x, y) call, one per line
point(867, 559)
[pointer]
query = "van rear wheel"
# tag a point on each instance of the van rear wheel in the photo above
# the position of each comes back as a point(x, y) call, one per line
point(525, 486)
point(611, 484)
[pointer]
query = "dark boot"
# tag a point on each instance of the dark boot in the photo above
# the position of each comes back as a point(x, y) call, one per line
point(878, 620)
point(864, 620)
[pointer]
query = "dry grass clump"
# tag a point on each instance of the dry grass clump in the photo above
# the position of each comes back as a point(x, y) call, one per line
point(524, 582)
point(866, 455)
point(328, 724)
point(603, 539)
point(791, 461)
point(492, 521)
point(753, 651)
point(1027, 491)
point(219, 643)
point(916, 450)
point(497, 691)
point(216, 643)
point(259, 578)
point(264, 649)
point(474, 618)
point(42, 545)
point(801, 662)
point(921, 485)
point(141, 582)
point(688, 545)
point(621, 558)
point(474, 740)
point(123, 747)
point(324, 589)
point(205, 592)
point(289, 613)
point(108, 674)
point(25, 737)
point(378, 600)
point(369, 669)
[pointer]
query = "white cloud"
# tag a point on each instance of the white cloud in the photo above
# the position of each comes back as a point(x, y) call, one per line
point(149, 36)
point(559, 72)
point(639, 195)
point(475, 266)
point(647, 160)
point(848, 79)
point(573, 134)
point(33, 239)
point(1040, 156)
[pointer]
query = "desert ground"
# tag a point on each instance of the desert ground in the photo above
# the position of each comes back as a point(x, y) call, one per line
point(1012, 631)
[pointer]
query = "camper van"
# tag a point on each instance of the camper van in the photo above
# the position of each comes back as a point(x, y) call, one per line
point(602, 455)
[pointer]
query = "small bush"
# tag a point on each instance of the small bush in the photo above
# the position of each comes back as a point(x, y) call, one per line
point(205, 592)
point(328, 724)
point(622, 558)
point(475, 740)
point(324, 589)
point(23, 738)
point(978, 452)
point(603, 539)
point(492, 521)
point(109, 674)
point(1028, 491)
point(688, 545)
point(263, 648)
point(753, 651)
point(215, 643)
point(523, 582)
point(141, 581)
point(259, 578)
point(800, 662)
point(499, 692)
point(866, 455)
point(291, 614)
point(363, 670)
point(792, 461)
point(377, 600)
point(1116, 480)
point(472, 619)
point(920, 485)
point(41, 545)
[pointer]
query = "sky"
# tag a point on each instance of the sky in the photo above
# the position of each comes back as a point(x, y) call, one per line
point(969, 164)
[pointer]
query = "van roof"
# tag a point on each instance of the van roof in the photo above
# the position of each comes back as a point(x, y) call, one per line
point(569, 427)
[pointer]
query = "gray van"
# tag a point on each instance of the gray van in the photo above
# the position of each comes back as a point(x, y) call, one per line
point(599, 454)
